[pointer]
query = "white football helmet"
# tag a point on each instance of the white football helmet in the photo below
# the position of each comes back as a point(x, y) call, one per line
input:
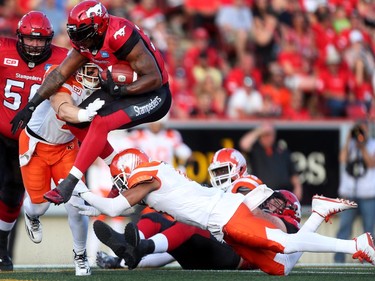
point(227, 165)
point(88, 76)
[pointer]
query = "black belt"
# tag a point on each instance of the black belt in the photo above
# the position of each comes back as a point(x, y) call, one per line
point(31, 133)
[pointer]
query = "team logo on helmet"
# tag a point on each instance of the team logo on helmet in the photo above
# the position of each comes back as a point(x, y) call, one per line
point(96, 10)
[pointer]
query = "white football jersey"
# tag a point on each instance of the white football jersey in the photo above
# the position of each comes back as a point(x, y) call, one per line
point(186, 200)
point(161, 146)
point(44, 121)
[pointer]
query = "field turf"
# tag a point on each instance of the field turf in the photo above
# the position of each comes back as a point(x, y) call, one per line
point(303, 273)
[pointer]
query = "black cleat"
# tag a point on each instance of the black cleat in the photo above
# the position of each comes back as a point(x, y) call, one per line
point(132, 254)
point(111, 238)
point(6, 264)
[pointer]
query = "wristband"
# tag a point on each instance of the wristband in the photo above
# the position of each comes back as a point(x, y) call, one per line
point(83, 116)
point(36, 99)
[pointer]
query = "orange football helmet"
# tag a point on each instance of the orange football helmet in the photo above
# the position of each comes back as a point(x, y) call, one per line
point(124, 163)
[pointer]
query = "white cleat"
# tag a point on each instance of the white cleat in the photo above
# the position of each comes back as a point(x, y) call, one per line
point(327, 207)
point(365, 248)
point(33, 229)
point(81, 264)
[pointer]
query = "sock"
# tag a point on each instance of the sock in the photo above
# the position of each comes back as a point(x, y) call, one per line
point(146, 246)
point(160, 242)
point(78, 225)
point(4, 243)
point(34, 210)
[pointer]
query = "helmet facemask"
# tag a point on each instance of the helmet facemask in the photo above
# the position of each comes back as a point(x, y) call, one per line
point(120, 181)
point(88, 76)
point(33, 29)
point(222, 174)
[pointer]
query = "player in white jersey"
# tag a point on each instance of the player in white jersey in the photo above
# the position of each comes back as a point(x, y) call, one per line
point(162, 143)
point(230, 217)
point(47, 152)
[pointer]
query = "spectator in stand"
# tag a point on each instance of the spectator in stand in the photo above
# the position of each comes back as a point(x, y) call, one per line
point(234, 22)
point(217, 93)
point(184, 98)
point(275, 87)
point(203, 108)
point(271, 160)
point(201, 45)
point(246, 101)
point(146, 14)
point(296, 110)
point(361, 61)
point(202, 69)
point(337, 83)
point(244, 66)
point(297, 54)
point(357, 181)
point(201, 13)
point(264, 33)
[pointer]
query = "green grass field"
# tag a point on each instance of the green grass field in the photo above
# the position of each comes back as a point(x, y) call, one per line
point(303, 273)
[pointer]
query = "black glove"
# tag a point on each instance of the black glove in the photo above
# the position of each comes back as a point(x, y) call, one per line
point(22, 117)
point(109, 85)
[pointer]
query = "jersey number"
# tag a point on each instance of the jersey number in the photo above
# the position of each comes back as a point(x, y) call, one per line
point(13, 99)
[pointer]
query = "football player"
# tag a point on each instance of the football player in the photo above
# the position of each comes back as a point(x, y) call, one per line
point(47, 152)
point(23, 62)
point(105, 40)
point(230, 217)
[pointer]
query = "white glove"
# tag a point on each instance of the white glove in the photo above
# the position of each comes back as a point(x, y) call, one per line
point(86, 115)
point(79, 189)
point(85, 210)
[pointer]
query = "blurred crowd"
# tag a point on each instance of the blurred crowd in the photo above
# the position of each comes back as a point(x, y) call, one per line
point(241, 59)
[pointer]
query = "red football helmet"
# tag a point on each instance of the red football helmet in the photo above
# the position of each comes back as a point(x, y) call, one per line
point(34, 25)
point(227, 165)
point(87, 24)
point(124, 163)
point(284, 204)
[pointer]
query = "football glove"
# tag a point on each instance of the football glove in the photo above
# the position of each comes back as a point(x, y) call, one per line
point(22, 117)
point(86, 115)
point(109, 85)
point(86, 210)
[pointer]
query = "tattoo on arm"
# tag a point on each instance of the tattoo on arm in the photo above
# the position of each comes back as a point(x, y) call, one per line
point(51, 84)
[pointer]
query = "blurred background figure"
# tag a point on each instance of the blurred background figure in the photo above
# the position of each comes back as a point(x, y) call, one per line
point(270, 160)
point(357, 181)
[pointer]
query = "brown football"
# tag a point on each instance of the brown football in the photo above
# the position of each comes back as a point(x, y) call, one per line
point(122, 74)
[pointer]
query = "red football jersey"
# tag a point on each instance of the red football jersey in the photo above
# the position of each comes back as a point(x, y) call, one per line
point(18, 82)
point(117, 41)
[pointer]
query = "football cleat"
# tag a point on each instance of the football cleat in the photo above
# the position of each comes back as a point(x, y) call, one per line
point(6, 263)
point(33, 229)
point(110, 238)
point(365, 248)
point(132, 254)
point(105, 261)
point(81, 264)
point(327, 207)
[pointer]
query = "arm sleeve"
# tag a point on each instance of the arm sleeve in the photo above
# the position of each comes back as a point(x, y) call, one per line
point(112, 207)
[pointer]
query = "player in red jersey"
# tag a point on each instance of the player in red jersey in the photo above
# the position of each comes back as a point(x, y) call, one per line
point(106, 40)
point(23, 62)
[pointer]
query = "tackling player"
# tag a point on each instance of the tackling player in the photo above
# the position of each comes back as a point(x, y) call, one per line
point(48, 150)
point(23, 62)
point(105, 40)
point(148, 175)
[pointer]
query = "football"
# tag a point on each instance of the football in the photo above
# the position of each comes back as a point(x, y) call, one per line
point(122, 74)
